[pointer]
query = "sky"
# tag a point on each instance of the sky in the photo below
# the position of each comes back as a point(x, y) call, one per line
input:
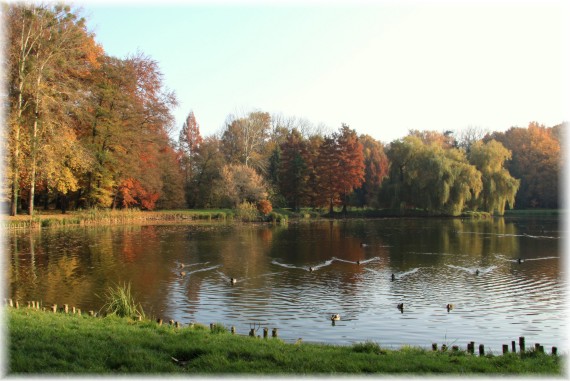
point(383, 68)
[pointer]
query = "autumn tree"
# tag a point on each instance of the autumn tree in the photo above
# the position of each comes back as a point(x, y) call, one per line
point(340, 167)
point(244, 138)
point(51, 54)
point(536, 161)
point(240, 183)
point(207, 163)
point(375, 170)
point(499, 187)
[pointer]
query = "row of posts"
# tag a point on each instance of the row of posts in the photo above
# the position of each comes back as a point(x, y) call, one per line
point(471, 347)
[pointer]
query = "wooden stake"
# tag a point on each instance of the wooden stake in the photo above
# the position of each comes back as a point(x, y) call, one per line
point(159, 321)
point(66, 308)
point(17, 304)
point(513, 346)
point(274, 332)
point(79, 312)
point(252, 332)
point(434, 346)
point(54, 308)
point(211, 326)
point(265, 332)
point(521, 344)
point(455, 348)
point(505, 348)
point(554, 351)
point(73, 310)
point(91, 313)
point(233, 330)
point(481, 350)
point(443, 348)
point(176, 324)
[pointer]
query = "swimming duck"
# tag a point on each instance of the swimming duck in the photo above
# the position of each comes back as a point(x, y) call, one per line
point(181, 265)
point(520, 260)
point(393, 277)
point(182, 273)
point(449, 307)
point(335, 317)
point(311, 269)
point(358, 262)
point(233, 280)
point(477, 272)
point(401, 306)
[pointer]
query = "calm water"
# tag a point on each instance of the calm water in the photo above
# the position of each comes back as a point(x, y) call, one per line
point(434, 261)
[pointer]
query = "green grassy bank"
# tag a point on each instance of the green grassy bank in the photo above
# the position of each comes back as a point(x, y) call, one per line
point(56, 343)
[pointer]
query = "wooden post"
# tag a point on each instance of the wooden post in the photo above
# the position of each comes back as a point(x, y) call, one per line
point(481, 350)
point(554, 351)
point(91, 313)
point(79, 311)
point(11, 302)
point(159, 321)
point(17, 304)
point(211, 326)
point(252, 332)
point(233, 330)
point(443, 348)
point(472, 343)
point(139, 317)
point(54, 308)
point(521, 344)
point(171, 322)
point(513, 346)
point(37, 305)
point(274, 332)
point(29, 304)
point(66, 308)
point(455, 348)
point(505, 348)
point(73, 310)
point(176, 324)
point(434, 346)
point(541, 348)
point(536, 346)
point(265, 332)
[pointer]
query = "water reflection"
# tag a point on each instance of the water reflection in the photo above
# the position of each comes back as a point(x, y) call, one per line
point(183, 272)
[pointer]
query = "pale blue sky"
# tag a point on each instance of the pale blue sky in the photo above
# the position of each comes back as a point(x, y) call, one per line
point(382, 68)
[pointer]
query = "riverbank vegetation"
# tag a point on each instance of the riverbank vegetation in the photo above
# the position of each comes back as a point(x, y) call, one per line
point(87, 130)
point(46, 343)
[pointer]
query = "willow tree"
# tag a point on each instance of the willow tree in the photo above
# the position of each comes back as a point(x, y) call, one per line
point(430, 177)
point(499, 187)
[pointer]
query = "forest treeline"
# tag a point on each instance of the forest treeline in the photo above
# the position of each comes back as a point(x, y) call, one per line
point(87, 130)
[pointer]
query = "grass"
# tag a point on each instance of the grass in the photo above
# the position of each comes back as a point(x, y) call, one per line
point(58, 344)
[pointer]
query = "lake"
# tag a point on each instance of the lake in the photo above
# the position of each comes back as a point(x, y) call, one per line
point(182, 272)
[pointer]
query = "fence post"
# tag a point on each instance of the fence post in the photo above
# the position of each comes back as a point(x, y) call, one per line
point(274, 332)
point(505, 348)
point(481, 350)
point(521, 344)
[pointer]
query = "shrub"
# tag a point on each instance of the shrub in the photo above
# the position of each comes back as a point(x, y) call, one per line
point(264, 207)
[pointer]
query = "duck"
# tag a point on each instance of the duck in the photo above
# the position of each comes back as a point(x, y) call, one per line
point(335, 317)
point(449, 307)
point(233, 280)
point(401, 306)
point(181, 265)
point(477, 272)
point(520, 260)
point(311, 269)
point(182, 273)
point(393, 277)
point(358, 262)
